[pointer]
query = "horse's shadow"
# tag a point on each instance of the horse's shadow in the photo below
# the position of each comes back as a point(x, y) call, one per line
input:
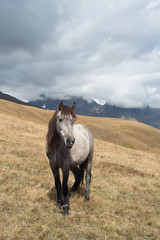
point(52, 193)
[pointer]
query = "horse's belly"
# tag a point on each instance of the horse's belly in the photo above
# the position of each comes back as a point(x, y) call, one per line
point(81, 147)
point(79, 157)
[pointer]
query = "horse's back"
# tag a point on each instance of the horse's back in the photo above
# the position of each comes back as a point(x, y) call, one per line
point(83, 145)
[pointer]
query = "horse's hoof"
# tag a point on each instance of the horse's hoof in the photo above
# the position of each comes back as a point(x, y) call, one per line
point(72, 194)
point(59, 205)
point(65, 213)
point(65, 210)
point(86, 199)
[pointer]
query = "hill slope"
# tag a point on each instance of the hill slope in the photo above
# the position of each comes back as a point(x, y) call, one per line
point(147, 115)
point(125, 133)
point(124, 190)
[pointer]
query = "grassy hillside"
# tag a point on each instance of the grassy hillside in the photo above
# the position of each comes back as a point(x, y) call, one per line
point(125, 133)
point(125, 189)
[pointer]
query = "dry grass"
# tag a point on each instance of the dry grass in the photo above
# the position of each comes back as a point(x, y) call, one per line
point(125, 189)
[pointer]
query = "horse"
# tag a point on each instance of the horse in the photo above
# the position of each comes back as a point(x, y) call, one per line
point(69, 146)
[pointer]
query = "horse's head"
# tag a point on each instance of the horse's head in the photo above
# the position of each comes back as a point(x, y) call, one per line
point(64, 124)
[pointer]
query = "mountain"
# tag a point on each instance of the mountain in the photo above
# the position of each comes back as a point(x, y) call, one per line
point(147, 115)
point(10, 98)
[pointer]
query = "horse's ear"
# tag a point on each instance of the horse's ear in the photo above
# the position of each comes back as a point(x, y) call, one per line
point(74, 106)
point(60, 105)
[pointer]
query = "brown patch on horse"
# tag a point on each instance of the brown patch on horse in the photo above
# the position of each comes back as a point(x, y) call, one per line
point(65, 110)
point(51, 130)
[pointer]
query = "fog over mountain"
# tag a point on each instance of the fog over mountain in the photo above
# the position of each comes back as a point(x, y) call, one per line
point(107, 50)
point(147, 115)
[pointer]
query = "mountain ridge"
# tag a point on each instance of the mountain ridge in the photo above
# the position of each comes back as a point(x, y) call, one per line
point(10, 98)
point(147, 115)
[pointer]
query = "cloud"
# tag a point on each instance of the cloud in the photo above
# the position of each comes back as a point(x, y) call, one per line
point(107, 50)
point(26, 24)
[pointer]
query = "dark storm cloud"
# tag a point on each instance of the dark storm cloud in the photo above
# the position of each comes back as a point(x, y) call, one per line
point(108, 50)
point(26, 24)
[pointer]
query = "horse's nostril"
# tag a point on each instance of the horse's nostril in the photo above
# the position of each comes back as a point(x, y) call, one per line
point(70, 141)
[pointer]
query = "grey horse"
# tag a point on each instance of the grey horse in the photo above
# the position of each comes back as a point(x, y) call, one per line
point(69, 147)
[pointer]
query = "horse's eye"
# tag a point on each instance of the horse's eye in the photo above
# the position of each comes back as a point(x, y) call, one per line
point(60, 120)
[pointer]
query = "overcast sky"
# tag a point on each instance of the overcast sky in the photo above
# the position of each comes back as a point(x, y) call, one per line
point(105, 49)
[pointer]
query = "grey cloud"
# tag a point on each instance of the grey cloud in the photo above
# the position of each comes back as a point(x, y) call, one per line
point(108, 50)
point(26, 24)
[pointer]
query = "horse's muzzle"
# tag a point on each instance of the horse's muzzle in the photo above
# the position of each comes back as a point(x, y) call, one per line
point(70, 141)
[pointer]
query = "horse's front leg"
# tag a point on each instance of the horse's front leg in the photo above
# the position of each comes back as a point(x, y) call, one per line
point(58, 188)
point(65, 191)
point(55, 171)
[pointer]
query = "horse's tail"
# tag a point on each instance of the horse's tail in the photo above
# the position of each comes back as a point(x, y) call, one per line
point(82, 168)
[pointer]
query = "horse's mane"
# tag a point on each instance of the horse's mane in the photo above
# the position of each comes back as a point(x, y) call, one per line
point(51, 129)
point(51, 135)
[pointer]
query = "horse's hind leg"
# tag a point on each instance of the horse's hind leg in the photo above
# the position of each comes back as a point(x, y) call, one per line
point(78, 177)
point(88, 176)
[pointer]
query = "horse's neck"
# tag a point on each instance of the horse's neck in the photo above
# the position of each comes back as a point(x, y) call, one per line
point(56, 140)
